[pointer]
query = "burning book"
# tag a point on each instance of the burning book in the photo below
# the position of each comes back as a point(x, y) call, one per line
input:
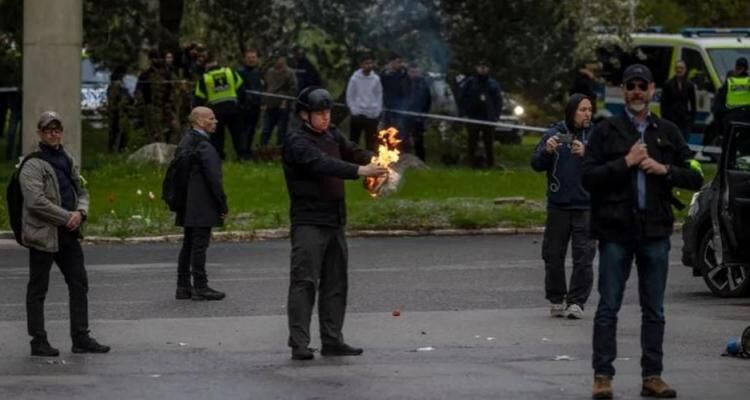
point(387, 156)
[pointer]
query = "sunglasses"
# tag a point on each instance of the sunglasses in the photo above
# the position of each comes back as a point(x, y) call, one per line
point(630, 86)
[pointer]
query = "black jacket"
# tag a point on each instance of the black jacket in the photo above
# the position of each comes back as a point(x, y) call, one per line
point(678, 103)
point(481, 98)
point(315, 166)
point(612, 185)
point(563, 167)
point(205, 198)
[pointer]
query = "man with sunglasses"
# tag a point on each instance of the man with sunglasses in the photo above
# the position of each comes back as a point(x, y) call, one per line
point(54, 209)
point(632, 162)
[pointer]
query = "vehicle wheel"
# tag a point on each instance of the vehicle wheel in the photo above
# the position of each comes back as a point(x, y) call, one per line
point(723, 281)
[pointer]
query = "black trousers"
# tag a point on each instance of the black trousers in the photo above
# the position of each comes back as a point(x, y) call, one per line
point(193, 254)
point(69, 258)
point(250, 118)
point(488, 139)
point(561, 226)
point(360, 124)
point(318, 261)
point(233, 121)
point(414, 134)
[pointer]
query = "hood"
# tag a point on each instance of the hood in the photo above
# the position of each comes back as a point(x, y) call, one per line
point(570, 110)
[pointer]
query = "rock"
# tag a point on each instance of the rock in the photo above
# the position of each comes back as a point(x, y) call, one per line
point(161, 153)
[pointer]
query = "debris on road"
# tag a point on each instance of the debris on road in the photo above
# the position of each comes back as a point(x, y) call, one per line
point(564, 358)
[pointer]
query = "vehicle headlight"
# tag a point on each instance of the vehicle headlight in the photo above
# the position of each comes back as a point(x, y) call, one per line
point(518, 111)
point(694, 205)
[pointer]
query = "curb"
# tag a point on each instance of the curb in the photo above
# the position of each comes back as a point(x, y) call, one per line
point(271, 234)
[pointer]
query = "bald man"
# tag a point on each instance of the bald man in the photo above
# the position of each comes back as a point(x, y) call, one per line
point(206, 206)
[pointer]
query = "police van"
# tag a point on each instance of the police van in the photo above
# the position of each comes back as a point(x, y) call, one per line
point(709, 54)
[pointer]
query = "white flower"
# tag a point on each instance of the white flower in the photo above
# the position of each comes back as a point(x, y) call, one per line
point(136, 217)
point(138, 192)
point(151, 195)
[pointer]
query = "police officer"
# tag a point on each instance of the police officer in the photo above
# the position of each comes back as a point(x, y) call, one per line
point(316, 160)
point(733, 98)
point(219, 89)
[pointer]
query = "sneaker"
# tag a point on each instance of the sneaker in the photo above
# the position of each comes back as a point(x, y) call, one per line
point(654, 386)
point(557, 310)
point(183, 293)
point(574, 311)
point(42, 348)
point(89, 345)
point(206, 293)
point(302, 354)
point(341, 349)
point(602, 387)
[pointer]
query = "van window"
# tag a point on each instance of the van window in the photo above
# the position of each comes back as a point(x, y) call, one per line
point(739, 151)
point(614, 60)
point(657, 59)
point(697, 70)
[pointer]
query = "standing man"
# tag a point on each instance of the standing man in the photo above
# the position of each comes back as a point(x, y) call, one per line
point(250, 107)
point(560, 154)
point(632, 162)
point(481, 98)
point(306, 73)
point(118, 107)
point(205, 208)
point(395, 89)
point(733, 97)
point(54, 208)
point(364, 97)
point(156, 101)
point(418, 99)
point(585, 83)
point(280, 80)
point(219, 89)
point(316, 160)
point(678, 100)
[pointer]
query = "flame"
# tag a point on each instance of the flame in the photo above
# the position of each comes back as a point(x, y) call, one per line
point(387, 155)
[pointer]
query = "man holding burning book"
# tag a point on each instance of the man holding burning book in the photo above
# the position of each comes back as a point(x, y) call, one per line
point(316, 160)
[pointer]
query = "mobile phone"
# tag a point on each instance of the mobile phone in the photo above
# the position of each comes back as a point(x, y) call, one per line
point(565, 138)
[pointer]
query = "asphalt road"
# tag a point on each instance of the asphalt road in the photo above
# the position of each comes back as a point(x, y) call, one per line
point(476, 302)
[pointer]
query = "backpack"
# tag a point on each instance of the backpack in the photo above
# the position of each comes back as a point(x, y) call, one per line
point(175, 184)
point(14, 198)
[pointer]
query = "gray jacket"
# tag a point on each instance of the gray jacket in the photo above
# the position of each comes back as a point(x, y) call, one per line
point(42, 213)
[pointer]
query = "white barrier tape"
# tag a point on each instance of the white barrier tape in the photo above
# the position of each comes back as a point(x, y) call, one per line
point(8, 89)
point(424, 115)
point(705, 149)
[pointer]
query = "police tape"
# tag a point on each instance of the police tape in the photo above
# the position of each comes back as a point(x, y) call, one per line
point(422, 115)
point(12, 89)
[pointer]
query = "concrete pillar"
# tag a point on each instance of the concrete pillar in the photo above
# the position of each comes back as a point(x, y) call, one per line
point(52, 36)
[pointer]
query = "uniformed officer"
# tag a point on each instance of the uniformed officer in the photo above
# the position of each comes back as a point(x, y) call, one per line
point(733, 98)
point(219, 89)
point(316, 160)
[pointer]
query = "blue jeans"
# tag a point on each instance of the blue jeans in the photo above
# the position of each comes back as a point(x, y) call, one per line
point(615, 261)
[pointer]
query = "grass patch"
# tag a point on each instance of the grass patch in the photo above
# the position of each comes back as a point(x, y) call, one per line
point(441, 197)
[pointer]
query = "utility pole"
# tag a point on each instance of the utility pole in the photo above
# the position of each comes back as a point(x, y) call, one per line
point(52, 39)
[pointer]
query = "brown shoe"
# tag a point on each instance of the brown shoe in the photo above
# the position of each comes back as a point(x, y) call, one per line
point(654, 386)
point(602, 387)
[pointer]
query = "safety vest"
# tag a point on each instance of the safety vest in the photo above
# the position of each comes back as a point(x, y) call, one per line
point(738, 92)
point(221, 85)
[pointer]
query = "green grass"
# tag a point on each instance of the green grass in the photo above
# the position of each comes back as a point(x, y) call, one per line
point(439, 197)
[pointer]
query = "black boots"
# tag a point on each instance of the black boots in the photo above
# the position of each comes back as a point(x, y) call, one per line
point(206, 293)
point(184, 293)
point(88, 345)
point(302, 354)
point(341, 349)
point(42, 348)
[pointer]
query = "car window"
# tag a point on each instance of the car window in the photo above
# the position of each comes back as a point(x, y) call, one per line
point(697, 71)
point(657, 59)
point(740, 149)
point(614, 60)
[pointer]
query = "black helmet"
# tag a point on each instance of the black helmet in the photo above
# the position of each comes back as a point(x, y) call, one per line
point(313, 98)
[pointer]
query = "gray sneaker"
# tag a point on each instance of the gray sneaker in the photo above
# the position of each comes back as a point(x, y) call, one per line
point(557, 310)
point(574, 311)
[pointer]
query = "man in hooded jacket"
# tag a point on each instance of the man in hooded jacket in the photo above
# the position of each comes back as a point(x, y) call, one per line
point(560, 154)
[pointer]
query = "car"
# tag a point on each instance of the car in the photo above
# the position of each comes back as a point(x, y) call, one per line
point(709, 53)
point(94, 84)
point(715, 243)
